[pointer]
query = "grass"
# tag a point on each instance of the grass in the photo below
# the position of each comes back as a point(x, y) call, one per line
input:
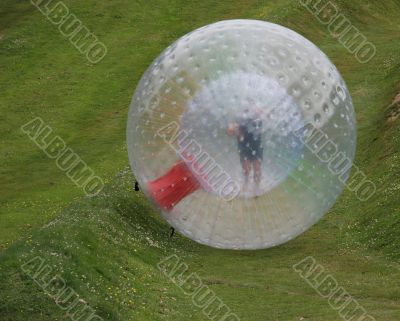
point(107, 247)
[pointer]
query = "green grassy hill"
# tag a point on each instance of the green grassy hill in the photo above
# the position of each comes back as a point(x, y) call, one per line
point(107, 247)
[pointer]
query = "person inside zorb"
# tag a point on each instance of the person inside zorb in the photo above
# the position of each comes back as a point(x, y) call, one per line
point(248, 132)
point(255, 111)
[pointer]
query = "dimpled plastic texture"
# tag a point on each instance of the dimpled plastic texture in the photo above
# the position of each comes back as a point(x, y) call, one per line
point(185, 109)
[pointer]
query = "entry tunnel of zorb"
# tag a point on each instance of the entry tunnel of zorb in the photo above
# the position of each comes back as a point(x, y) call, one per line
point(185, 134)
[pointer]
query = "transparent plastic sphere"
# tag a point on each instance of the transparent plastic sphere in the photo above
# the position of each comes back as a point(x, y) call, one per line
point(242, 133)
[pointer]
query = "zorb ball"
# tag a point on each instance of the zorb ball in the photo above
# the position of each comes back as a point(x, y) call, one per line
point(242, 133)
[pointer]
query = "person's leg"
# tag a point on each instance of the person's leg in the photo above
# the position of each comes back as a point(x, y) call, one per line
point(246, 166)
point(257, 171)
point(257, 162)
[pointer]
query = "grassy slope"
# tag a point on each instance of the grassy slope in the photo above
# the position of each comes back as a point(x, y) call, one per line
point(44, 77)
